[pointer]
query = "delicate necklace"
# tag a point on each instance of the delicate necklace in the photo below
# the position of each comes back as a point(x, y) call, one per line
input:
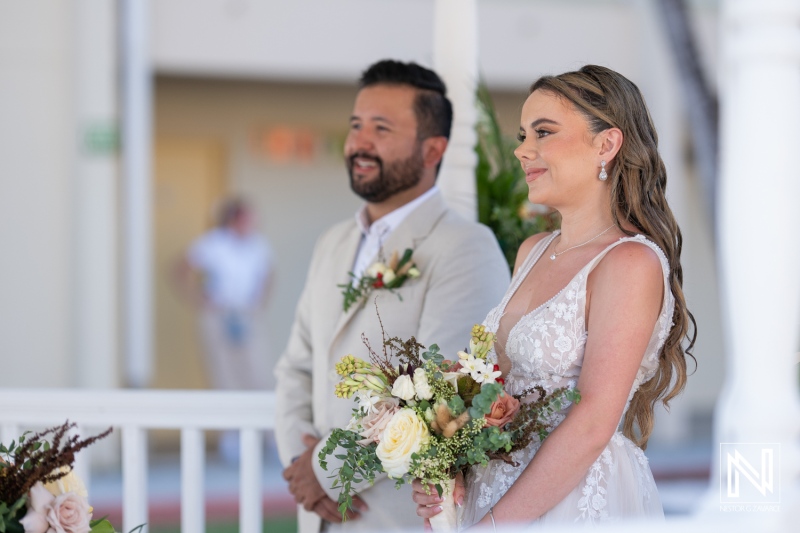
point(554, 254)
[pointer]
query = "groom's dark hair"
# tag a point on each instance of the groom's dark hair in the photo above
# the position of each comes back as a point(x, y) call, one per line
point(432, 108)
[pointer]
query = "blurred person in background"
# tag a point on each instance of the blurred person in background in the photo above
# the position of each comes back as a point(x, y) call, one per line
point(226, 275)
point(399, 130)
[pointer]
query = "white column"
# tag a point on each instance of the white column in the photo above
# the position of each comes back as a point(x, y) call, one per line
point(136, 198)
point(94, 197)
point(455, 59)
point(759, 257)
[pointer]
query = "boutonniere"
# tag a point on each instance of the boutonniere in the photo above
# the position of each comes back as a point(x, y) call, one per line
point(380, 275)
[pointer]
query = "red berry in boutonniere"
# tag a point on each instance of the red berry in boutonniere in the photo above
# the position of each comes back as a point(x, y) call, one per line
point(378, 283)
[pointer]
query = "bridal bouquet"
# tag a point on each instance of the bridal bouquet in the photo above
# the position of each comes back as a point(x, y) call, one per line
point(430, 418)
point(39, 493)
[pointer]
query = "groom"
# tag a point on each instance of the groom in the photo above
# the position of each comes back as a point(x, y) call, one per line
point(399, 130)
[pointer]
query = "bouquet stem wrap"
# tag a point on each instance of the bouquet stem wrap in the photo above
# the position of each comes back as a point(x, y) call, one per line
point(447, 520)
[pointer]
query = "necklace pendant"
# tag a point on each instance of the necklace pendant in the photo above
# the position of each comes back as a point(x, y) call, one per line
point(552, 257)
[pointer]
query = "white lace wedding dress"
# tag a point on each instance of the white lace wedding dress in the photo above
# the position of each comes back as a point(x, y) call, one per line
point(546, 348)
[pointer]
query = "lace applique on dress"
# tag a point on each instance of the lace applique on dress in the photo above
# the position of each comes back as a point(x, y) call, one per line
point(546, 348)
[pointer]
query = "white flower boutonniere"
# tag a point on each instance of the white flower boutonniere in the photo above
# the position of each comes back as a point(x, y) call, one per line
point(380, 275)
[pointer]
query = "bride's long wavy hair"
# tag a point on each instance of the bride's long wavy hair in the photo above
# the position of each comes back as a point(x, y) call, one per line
point(638, 180)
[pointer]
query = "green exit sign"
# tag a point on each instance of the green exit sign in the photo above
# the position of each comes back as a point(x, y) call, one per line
point(101, 139)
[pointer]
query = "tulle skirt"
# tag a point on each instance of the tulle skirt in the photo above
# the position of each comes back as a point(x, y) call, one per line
point(619, 485)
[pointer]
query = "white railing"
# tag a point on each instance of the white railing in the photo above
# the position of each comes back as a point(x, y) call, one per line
point(134, 412)
point(193, 412)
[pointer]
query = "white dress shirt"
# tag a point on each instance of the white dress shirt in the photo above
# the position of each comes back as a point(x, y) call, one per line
point(375, 234)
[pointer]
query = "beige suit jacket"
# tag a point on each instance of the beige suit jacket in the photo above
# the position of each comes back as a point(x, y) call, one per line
point(463, 275)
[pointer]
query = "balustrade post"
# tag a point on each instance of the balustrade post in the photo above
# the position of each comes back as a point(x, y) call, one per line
point(250, 512)
point(192, 480)
point(134, 477)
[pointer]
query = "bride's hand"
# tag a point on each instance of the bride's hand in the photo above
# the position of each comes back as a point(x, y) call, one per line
point(428, 501)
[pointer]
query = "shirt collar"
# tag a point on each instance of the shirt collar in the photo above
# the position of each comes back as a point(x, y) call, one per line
point(389, 222)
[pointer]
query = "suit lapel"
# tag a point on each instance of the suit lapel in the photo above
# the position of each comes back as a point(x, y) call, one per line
point(412, 231)
point(417, 226)
point(343, 265)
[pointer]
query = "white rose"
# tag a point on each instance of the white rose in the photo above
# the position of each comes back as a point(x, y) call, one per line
point(413, 272)
point(404, 388)
point(404, 435)
point(388, 275)
point(421, 386)
point(375, 269)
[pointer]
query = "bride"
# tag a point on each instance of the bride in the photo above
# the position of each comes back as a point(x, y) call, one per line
point(597, 305)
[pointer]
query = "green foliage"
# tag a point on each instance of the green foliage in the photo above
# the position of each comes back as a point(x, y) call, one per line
point(10, 516)
point(500, 182)
point(101, 525)
point(482, 403)
point(433, 355)
point(535, 418)
point(468, 388)
point(396, 282)
point(356, 291)
point(359, 463)
point(456, 405)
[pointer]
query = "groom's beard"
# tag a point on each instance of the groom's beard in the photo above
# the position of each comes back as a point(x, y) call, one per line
point(392, 178)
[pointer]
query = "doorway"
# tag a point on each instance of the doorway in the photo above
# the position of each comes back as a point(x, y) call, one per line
point(189, 183)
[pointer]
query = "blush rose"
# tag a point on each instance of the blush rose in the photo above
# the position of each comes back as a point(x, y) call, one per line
point(375, 422)
point(66, 513)
point(503, 410)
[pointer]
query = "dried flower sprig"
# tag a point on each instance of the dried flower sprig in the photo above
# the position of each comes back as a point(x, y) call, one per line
point(533, 418)
point(33, 460)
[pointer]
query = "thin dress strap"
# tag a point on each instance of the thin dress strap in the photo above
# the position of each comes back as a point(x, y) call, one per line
point(667, 298)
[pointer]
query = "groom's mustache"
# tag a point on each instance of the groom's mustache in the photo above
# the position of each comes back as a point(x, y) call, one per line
point(351, 160)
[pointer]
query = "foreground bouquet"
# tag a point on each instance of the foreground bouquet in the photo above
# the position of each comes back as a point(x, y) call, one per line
point(430, 418)
point(39, 493)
